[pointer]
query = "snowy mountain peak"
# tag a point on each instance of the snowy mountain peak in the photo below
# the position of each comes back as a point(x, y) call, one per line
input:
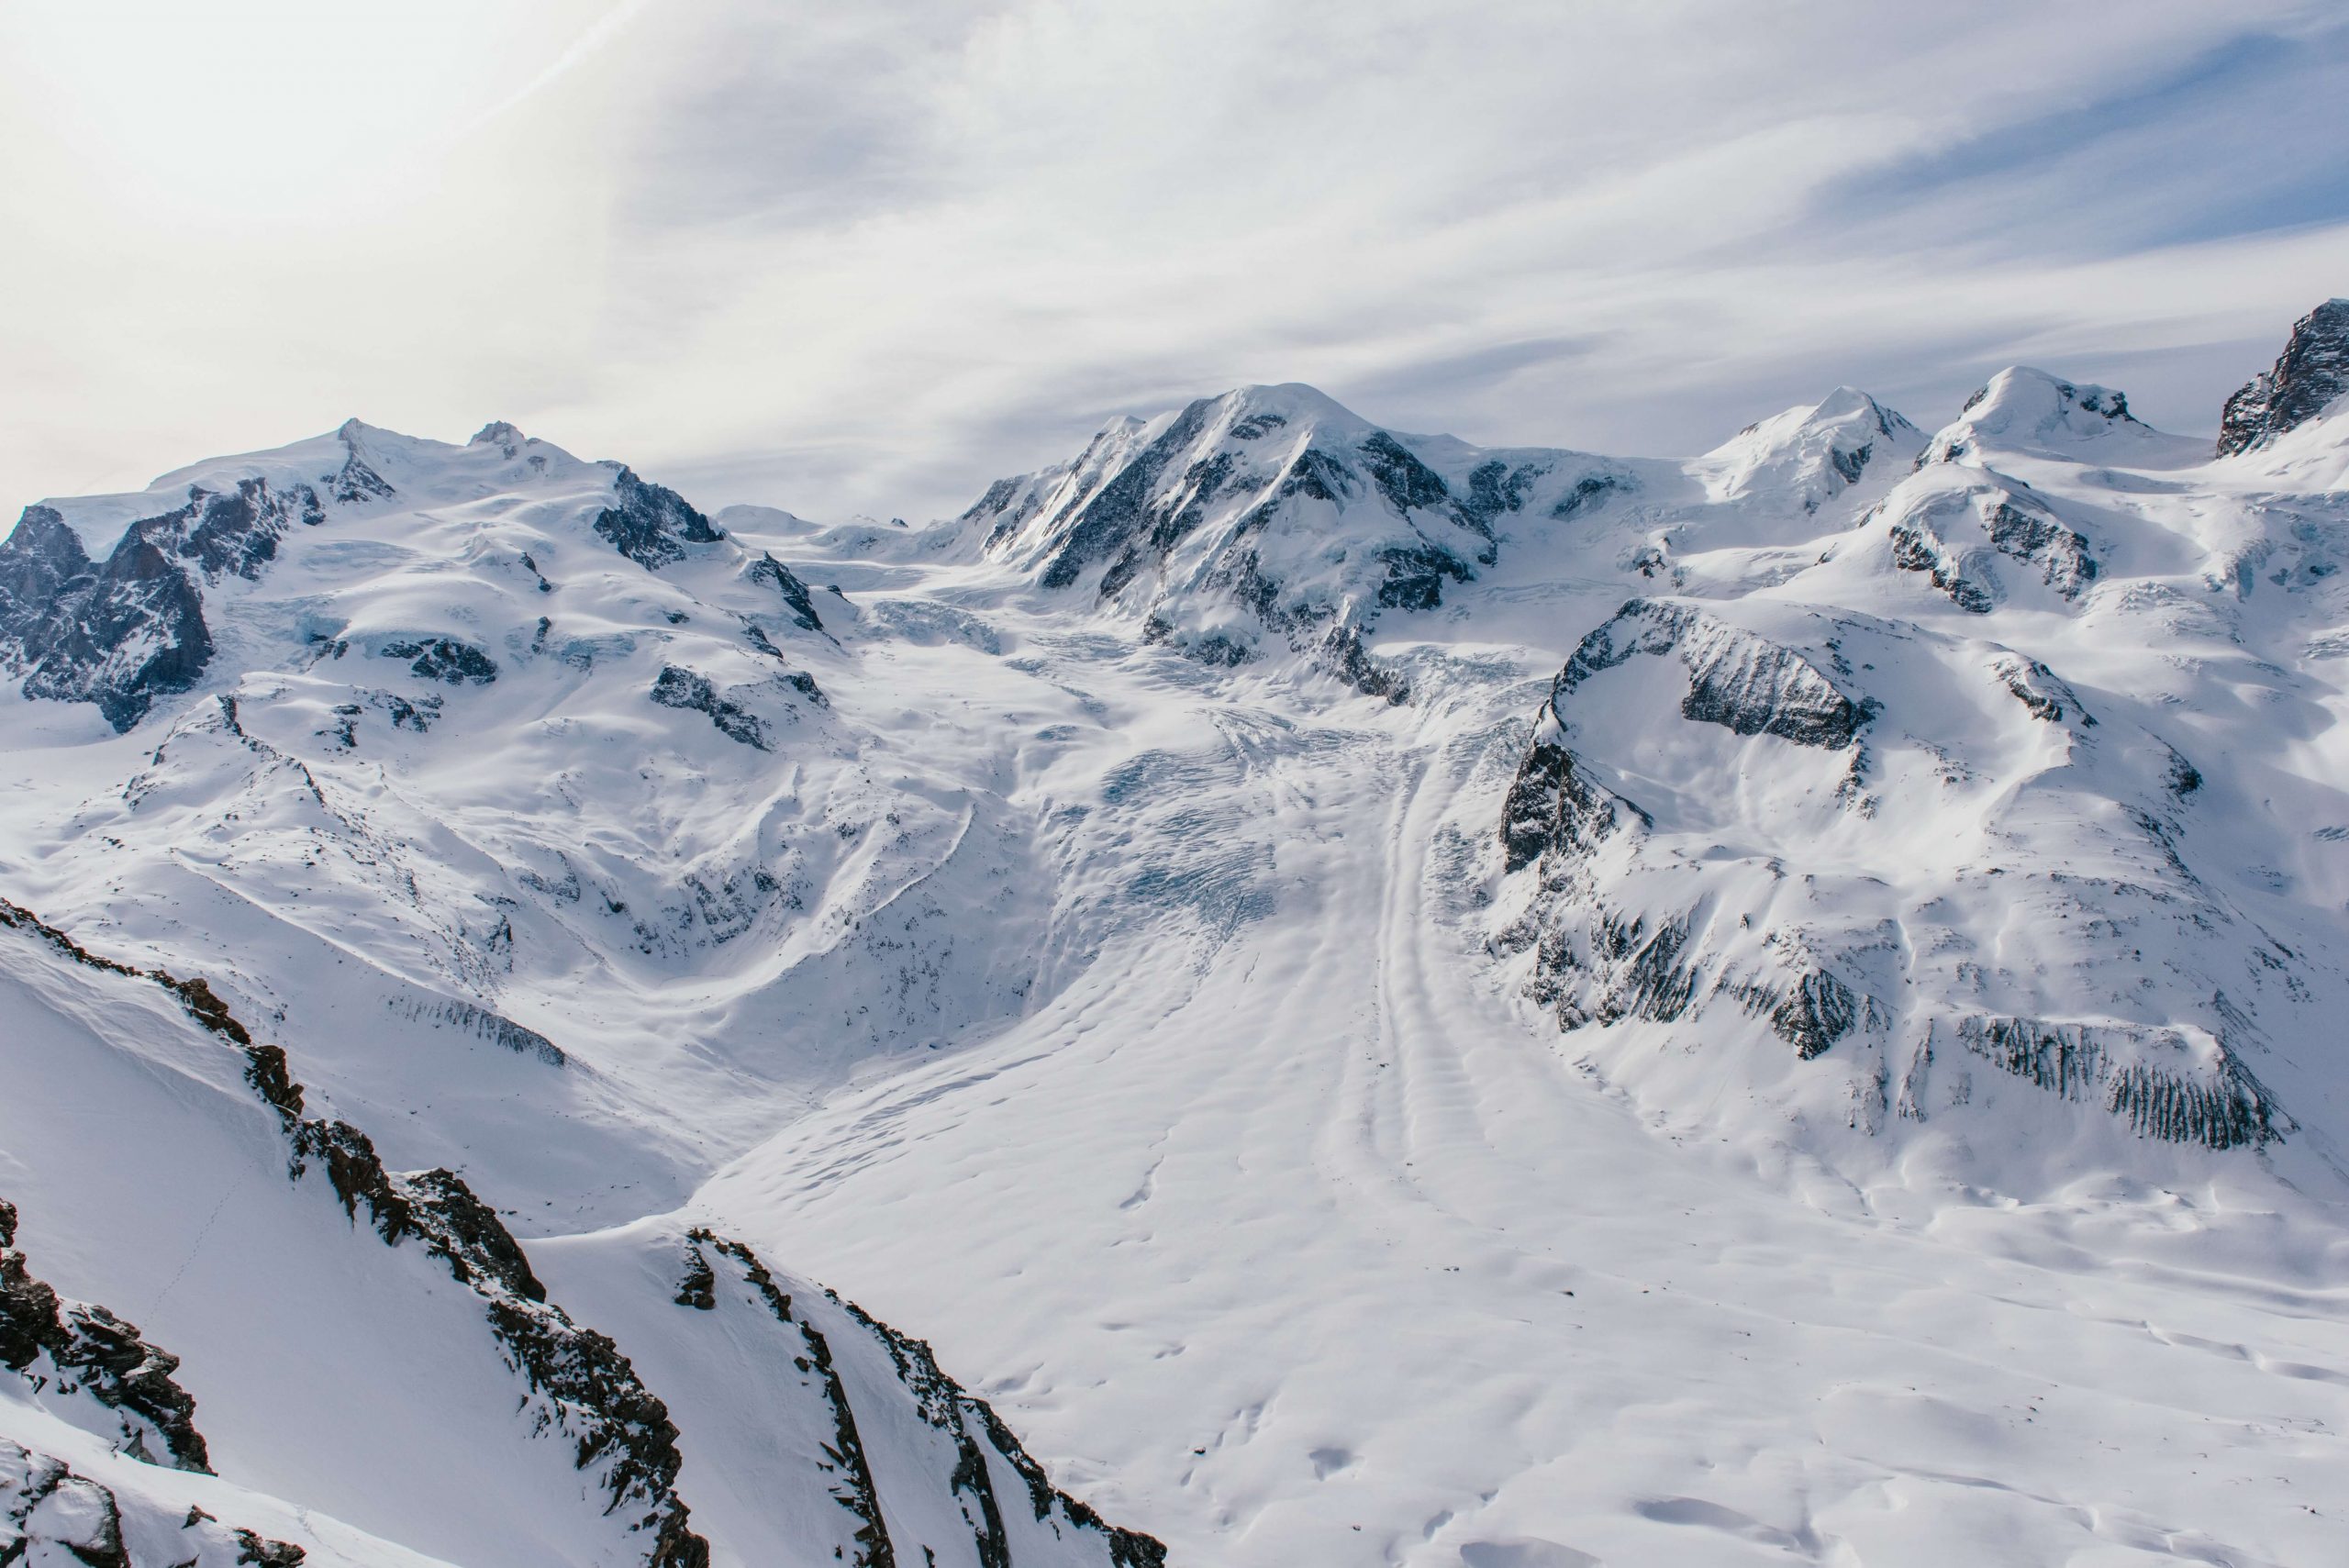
point(442, 557)
point(1269, 510)
point(2028, 411)
point(499, 433)
point(1810, 453)
point(2310, 374)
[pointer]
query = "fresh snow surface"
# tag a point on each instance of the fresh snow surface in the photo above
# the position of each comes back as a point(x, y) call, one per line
point(1166, 1040)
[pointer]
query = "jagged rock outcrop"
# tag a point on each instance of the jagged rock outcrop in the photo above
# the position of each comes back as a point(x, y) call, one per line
point(117, 635)
point(445, 659)
point(2312, 372)
point(1754, 910)
point(580, 1385)
point(2224, 1107)
point(1553, 805)
point(1736, 678)
point(687, 689)
point(1273, 510)
point(977, 1462)
point(122, 633)
point(480, 1022)
point(786, 584)
point(82, 1348)
point(651, 524)
point(1952, 536)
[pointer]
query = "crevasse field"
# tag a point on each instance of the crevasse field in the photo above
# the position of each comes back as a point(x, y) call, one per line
point(1373, 1001)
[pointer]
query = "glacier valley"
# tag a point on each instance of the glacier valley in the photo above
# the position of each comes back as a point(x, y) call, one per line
point(1278, 992)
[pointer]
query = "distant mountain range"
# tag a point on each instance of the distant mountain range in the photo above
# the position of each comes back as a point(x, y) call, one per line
point(488, 851)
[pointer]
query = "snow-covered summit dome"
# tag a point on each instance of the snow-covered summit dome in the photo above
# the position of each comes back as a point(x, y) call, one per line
point(1811, 452)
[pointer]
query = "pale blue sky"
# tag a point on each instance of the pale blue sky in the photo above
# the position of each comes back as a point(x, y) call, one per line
point(864, 259)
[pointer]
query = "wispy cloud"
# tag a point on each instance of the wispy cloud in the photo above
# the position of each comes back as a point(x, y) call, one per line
point(866, 258)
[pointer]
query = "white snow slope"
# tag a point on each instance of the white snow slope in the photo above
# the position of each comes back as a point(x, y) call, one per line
point(1773, 1008)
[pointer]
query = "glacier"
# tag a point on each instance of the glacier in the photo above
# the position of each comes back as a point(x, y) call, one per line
point(1278, 991)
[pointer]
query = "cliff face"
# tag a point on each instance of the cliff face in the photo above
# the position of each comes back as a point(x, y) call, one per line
point(2310, 373)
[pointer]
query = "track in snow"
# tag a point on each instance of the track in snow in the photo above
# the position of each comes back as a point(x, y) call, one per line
point(1293, 1241)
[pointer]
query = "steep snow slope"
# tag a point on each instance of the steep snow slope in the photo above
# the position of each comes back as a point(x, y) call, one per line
point(375, 1344)
point(1930, 844)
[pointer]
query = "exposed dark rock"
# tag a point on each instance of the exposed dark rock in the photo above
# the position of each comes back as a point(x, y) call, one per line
point(585, 1387)
point(446, 659)
point(855, 1491)
point(1407, 484)
point(494, 1027)
point(767, 570)
point(650, 524)
point(254, 1549)
point(1553, 805)
point(90, 1349)
point(2039, 689)
point(87, 1529)
point(117, 636)
point(2228, 1109)
point(2027, 535)
point(1736, 678)
point(1495, 489)
point(2312, 372)
point(1121, 513)
point(355, 481)
point(1651, 978)
point(966, 1421)
point(1590, 490)
point(1414, 576)
point(697, 1288)
point(1917, 546)
point(1818, 1011)
point(683, 689)
point(2184, 778)
point(2013, 526)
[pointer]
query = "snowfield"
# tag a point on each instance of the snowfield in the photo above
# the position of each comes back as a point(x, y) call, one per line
point(1375, 1002)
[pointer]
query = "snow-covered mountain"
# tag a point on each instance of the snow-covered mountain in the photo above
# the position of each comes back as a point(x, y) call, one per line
point(1378, 1000)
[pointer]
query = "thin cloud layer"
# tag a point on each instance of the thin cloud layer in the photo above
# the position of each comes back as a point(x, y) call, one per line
point(864, 258)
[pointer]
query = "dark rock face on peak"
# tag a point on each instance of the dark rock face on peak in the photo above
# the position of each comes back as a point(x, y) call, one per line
point(766, 568)
point(1277, 502)
point(499, 434)
point(2312, 372)
point(118, 634)
point(651, 524)
point(124, 632)
point(1736, 678)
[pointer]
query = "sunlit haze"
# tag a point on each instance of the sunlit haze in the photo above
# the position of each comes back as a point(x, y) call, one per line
point(864, 258)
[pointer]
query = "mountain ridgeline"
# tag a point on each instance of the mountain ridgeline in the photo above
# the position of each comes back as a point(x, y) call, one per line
point(1959, 802)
